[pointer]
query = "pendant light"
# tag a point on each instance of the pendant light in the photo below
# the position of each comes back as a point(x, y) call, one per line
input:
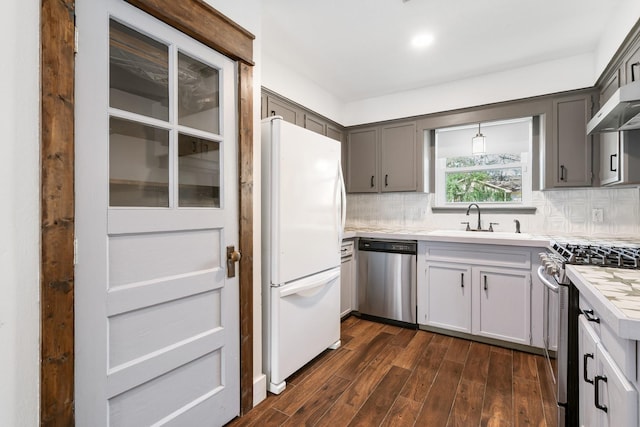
point(478, 143)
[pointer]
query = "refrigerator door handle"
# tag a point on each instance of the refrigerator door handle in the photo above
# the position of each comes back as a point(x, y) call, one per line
point(305, 287)
point(343, 203)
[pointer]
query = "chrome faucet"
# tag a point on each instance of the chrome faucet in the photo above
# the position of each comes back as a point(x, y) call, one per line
point(477, 207)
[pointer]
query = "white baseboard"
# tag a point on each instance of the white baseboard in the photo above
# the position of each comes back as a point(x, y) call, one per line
point(259, 389)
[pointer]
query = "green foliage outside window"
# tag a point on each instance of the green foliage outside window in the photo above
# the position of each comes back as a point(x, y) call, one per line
point(495, 185)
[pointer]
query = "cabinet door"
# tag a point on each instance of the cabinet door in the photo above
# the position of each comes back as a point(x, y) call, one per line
point(346, 286)
point(571, 165)
point(444, 298)
point(398, 157)
point(314, 123)
point(289, 113)
point(614, 392)
point(609, 157)
point(632, 65)
point(334, 133)
point(502, 304)
point(609, 87)
point(587, 341)
point(362, 158)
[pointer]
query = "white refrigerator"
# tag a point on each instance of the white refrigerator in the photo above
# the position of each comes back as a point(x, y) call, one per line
point(303, 214)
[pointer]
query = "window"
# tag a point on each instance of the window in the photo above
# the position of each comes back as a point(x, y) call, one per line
point(501, 175)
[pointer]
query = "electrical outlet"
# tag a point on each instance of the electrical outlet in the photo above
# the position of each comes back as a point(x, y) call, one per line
point(597, 215)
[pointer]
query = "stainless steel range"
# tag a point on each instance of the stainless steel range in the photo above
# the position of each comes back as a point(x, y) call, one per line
point(561, 299)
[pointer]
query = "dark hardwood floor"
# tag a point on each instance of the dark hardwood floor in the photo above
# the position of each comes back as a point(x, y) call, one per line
point(384, 375)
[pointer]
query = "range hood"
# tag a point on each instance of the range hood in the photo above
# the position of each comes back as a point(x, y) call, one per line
point(620, 112)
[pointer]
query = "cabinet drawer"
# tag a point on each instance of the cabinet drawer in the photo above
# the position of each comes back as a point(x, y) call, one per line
point(486, 255)
point(622, 351)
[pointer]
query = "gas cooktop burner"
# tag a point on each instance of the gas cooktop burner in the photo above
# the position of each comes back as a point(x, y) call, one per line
point(604, 255)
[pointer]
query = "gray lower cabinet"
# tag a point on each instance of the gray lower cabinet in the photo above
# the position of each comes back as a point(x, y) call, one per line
point(480, 290)
point(383, 158)
point(607, 397)
point(348, 300)
point(570, 145)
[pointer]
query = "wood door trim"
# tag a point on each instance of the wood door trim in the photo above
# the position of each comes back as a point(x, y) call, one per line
point(57, 35)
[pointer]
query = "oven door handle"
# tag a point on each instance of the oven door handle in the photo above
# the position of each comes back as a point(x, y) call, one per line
point(542, 276)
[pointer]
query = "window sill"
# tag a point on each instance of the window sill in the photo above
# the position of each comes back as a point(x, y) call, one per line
point(495, 209)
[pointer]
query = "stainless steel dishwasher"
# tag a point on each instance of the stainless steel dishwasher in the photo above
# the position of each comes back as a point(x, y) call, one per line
point(387, 280)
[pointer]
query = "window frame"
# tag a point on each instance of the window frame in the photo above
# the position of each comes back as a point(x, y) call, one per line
point(440, 168)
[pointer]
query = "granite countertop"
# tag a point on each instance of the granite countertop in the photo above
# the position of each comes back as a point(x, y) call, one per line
point(614, 293)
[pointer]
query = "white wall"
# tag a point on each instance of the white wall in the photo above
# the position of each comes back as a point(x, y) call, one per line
point(539, 79)
point(19, 214)
point(247, 13)
point(293, 86)
point(622, 20)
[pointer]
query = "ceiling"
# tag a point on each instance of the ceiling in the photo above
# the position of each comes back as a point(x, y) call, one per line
point(359, 49)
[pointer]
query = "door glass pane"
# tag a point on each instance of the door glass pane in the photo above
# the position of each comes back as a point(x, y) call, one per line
point(198, 172)
point(138, 72)
point(138, 164)
point(199, 95)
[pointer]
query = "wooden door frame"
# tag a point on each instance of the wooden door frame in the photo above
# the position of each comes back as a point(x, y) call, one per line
point(57, 41)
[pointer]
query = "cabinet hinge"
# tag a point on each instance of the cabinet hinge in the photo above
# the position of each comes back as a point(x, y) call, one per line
point(75, 251)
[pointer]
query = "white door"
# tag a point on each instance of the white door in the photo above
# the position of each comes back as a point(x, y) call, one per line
point(156, 317)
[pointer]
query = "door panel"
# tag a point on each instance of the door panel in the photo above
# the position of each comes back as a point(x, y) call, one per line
point(157, 328)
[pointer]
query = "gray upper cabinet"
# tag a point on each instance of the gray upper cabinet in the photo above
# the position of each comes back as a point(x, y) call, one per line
point(315, 124)
point(383, 158)
point(289, 113)
point(398, 150)
point(619, 157)
point(570, 145)
point(362, 161)
point(274, 105)
point(610, 86)
point(335, 133)
point(631, 64)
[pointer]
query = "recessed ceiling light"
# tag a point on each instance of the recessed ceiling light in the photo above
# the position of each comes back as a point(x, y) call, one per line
point(422, 40)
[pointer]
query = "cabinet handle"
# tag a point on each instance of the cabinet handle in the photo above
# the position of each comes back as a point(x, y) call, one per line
point(462, 280)
point(371, 181)
point(633, 73)
point(596, 395)
point(611, 163)
point(562, 168)
point(386, 180)
point(585, 359)
point(590, 316)
point(485, 282)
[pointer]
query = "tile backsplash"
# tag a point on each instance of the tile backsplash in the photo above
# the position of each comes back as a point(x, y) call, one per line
point(557, 212)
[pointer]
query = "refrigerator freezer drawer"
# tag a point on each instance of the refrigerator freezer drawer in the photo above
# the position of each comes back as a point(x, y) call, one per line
point(305, 321)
